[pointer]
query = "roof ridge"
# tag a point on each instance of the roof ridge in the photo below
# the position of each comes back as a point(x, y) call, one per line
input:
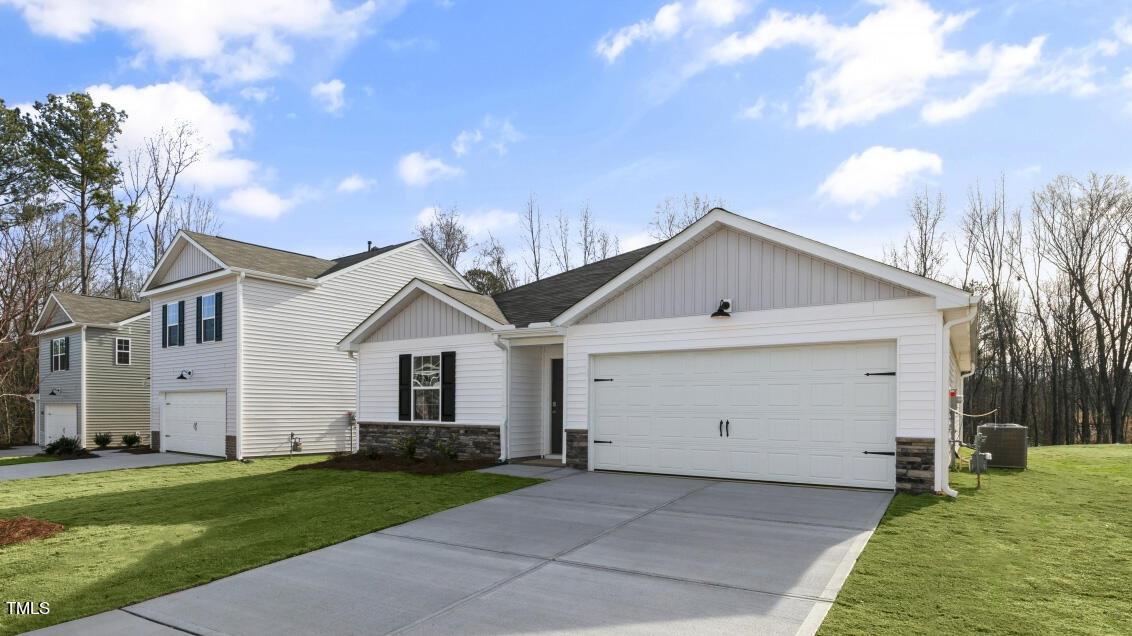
point(578, 269)
point(265, 247)
point(117, 300)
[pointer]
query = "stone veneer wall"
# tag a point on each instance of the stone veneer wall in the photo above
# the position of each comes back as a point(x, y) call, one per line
point(469, 442)
point(155, 440)
point(578, 449)
point(230, 446)
point(915, 465)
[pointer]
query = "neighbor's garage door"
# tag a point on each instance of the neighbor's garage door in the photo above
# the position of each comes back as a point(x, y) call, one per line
point(194, 422)
point(59, 420)
point(803, 414)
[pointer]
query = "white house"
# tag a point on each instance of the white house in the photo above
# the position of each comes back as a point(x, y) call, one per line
point(243, 358)
point(733, 349)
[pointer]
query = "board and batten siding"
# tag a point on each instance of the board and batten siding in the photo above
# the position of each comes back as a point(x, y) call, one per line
point(426, 317)
point(188, 263)
point(68, 384)
point(295, 379)
point(480, 375)
point(913, 323)
point(213, 363)
point(117, 396)
point(755, 274)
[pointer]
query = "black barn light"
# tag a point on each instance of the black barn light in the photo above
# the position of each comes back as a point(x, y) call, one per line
point(724, 310)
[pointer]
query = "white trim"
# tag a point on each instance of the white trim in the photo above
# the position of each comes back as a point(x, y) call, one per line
point(201, 318)
point(187, 282)
point(52, 298)
point(239, 368)
point(129, 352)
point(946, 296)
point(164, 255)
point(66, 354)
point(457, 274)
point(439, 388)
point(93, 325)
point(82, 389)
point(352, 341)
point(276, 278)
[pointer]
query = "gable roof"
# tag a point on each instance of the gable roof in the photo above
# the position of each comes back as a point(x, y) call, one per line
point(482, 303)
point(242, 255)
point(94, 310)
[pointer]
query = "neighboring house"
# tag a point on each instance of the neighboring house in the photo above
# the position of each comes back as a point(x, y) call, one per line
point(244, 341)
point(93, 369)
point(821, 367)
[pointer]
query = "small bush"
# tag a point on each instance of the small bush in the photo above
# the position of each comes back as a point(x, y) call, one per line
point(408, 446)
point(63, 446)
point(131, 440)
point(447, 450)
point(371, 453)
point(102, 440)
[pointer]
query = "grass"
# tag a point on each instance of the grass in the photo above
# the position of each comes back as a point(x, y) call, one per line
point(140, 533)
point(25, 459)
point(1042, 551)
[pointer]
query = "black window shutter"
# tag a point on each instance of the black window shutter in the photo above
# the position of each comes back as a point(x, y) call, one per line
point(164, 326)
point(198, 320)
point(219, 304)
point(448, 386)
point(66, 353)
point(405, 386)
point(181, 323)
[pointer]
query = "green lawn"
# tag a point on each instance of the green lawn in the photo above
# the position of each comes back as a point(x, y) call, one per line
point(25, 459)
point(1042, 551)
point(136, 534)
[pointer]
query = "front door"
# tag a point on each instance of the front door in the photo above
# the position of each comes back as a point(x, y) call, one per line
point(556, 406)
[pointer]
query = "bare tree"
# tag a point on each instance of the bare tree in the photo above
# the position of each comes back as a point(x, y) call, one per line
point(560, 243)
point(446, 234)
point(168, 155)
point(678, 212)
point(923, 250)
point(492, 258)
point(532, 236)
point(587, 235)
point(608, 245)
point(191, 212)
point(123, 255)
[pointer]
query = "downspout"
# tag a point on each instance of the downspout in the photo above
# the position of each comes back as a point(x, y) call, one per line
point(356, 429)
point(239, 366)
point(942, 450)
point(503, 445)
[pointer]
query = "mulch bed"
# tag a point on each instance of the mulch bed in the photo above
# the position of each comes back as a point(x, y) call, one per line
point(82, 453)
point(23, 529)
point(138, 450)
point(398, 464)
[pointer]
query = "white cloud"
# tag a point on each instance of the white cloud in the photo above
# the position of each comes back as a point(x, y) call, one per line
point(417, 169)
point(1008, 66)
point(755, 111)
point(258, 202)
point(669, 21)
point(240, 41)
point(354, 183)
point(217, 125)
point(719, 12)
point(330, 95)
point(478, 224)
point(256, 93)
point(877, 173)
point(634, 241)
point(497, 133)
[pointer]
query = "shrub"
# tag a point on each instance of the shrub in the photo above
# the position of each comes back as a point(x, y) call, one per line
point(63, 446)
point(408, 446)
point(131, 439)
point(102, 440)
point(447, 450)
point(371, 453)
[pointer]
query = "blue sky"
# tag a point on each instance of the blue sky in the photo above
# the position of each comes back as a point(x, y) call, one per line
point(329, 124)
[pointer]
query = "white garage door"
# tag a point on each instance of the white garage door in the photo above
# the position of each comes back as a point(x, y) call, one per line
point(805, 414)
point(59, 420)
point(194, 422)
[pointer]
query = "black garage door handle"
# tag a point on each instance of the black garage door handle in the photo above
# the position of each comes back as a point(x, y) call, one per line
point(721, 428)
point(878, 453)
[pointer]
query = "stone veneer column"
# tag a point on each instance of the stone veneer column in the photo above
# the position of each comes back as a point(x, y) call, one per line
point(230, 446)
point(469, 442)
point(578, 449)
point(915, 465)
point(155, 440)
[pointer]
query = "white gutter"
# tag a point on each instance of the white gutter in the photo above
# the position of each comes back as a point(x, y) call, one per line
point(942, 450)
point(506, 347)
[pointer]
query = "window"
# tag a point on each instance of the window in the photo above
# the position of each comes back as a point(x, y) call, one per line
point(173, 323)
point(208, 318)
point(122, 351)
point(59, 361)
point(426, 388)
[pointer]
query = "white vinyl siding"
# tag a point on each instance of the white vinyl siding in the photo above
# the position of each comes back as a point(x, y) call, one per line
point(479, 378)
point(755, 274)
point(526, 419)
point(213, 364)
point(295, 379)
point(188, 263)
point(913, 323)
point(427, 317)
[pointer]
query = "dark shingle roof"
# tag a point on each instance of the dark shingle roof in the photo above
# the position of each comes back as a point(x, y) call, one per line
point(99, 311)
point(542, 300)
point(269, 260)
point(480, 302)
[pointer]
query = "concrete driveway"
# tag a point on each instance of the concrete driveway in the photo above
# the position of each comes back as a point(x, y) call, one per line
point(106, 460)
point(583, 553)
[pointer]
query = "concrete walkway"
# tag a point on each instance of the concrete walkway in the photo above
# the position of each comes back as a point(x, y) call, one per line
point(585, 552)
point(109, 459)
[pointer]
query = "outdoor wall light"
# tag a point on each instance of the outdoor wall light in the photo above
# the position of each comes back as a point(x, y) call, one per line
point(185, 374)
point(54, 392)
point(724, 310)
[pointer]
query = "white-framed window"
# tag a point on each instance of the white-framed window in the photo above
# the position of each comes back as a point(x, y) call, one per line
point(173, 323)
point(426, 388)
point(122, 351)
point(59, 361)
point(208, 318)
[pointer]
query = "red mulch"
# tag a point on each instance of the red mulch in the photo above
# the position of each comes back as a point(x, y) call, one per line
point(398, 464)
point(26, 529)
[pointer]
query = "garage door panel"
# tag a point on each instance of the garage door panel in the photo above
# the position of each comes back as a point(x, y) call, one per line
point(194, 422)
point(60, 420)
point(797, 414)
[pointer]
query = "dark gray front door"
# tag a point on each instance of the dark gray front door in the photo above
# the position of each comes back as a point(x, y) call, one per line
point(556, 406)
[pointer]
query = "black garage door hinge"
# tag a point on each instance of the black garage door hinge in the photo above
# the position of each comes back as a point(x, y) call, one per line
point(882, 373)
point(878, 452)
point(603, 379)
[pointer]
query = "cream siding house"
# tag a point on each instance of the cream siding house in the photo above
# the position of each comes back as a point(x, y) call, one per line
point(250, 367)
point(732, 350)
point(93, 369)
